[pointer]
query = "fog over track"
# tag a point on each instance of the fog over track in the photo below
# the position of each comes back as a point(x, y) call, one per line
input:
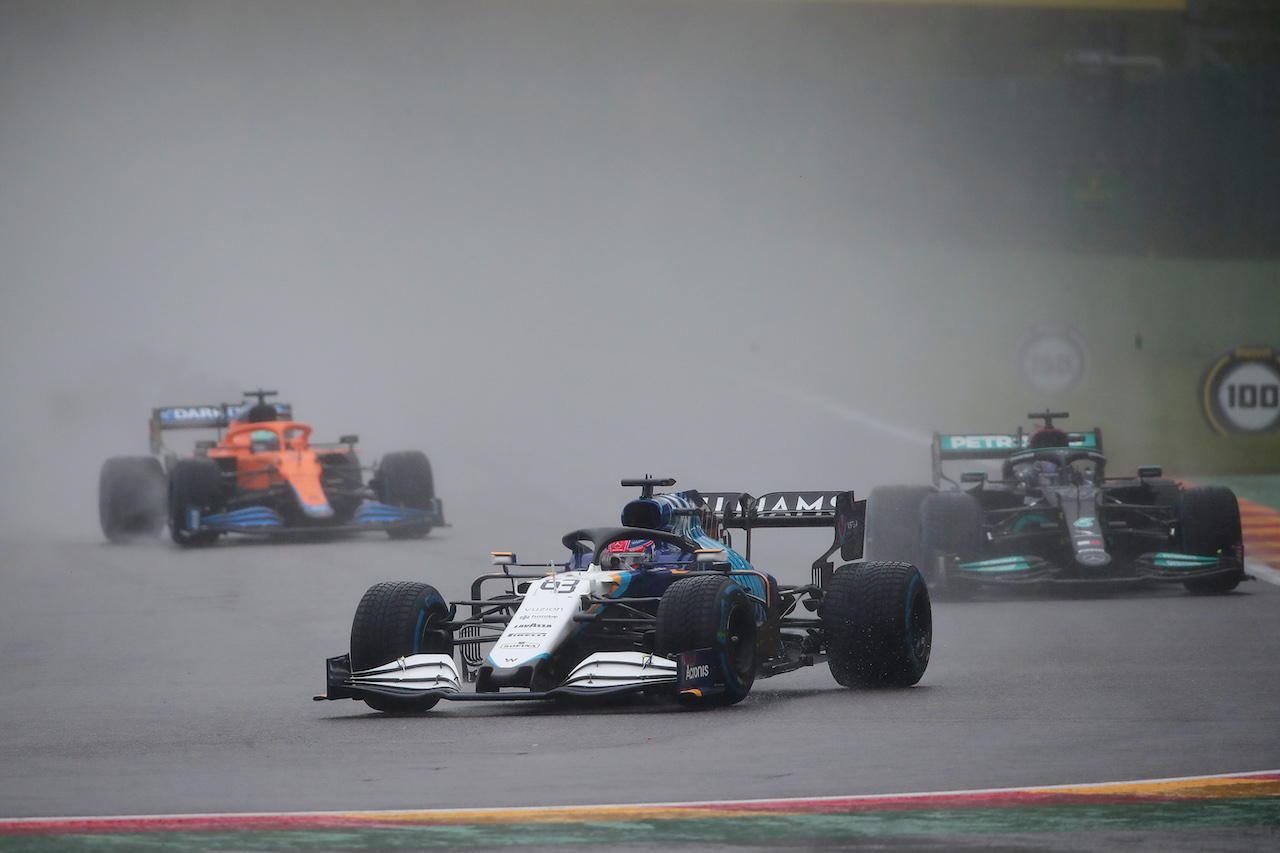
point(552, 244)
point(537, 240)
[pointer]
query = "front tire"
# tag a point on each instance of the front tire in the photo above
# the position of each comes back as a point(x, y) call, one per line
point(1209, 517)
point(950, 530)
point(710, 611)
point(404, 479)
point(195, 488)
point(879, 625)
point(131, 498)
point(893, 523)
point(396, 620)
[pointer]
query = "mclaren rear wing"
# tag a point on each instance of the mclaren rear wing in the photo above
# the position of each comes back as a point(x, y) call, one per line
point(837, 510)
point(201, 417)
point(995, 446)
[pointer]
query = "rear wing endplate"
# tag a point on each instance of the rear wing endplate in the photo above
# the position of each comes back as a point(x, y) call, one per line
point(837, 510)
point(996, 446)
point(217, 416)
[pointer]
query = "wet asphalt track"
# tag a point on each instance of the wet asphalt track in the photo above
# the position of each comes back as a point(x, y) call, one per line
point(148, 679)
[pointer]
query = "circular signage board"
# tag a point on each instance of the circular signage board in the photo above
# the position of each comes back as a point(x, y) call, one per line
point(1240, 391)
point(1053, 359)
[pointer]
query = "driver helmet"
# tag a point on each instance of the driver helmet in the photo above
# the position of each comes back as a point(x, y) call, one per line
point(263, 440)
point(1046, 473)
point(627, 553)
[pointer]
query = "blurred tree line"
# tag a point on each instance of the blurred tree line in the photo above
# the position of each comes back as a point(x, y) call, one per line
point(1113, 130)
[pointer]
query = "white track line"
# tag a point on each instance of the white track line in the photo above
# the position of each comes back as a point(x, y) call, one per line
point(861, 798)
point(1263, 573)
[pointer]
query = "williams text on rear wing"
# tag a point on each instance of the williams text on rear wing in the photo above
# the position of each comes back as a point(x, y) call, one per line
point(837, 510)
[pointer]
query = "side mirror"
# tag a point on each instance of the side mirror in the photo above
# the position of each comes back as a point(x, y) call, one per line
point(1147, 472)
point(503, 558)
point(973, 477)
point(711, 555)
point(348, 439)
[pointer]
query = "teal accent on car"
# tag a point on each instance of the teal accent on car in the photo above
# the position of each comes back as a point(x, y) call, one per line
point(1005, 441)
point(1029, 520)
point(1167, 560)
point(999, 564)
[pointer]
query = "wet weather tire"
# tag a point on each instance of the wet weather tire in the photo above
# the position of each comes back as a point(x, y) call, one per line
point(195, 489)
point(893, 523)
point(711, 611)
point(404, 479)
point(950, 531)
point(878, 623)
point(1209, 517)
point(131, 498)
point(394, 620)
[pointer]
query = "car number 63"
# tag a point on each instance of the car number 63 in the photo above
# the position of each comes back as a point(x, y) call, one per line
point(558, 586)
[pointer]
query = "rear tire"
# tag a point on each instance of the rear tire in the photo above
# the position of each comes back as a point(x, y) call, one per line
point(131, 498)
point(710, 611)
point(195, 485)
point(950, 527)
point(893, 523)
point(879, 625)
point(396, 620)
point(404, 479)
point(1209, 517)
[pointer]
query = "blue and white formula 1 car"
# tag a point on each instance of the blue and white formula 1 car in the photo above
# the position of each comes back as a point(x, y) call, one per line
point(661, 604)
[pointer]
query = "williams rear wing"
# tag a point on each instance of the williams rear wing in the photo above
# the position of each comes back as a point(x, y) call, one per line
point(201, 417)
point(837, 510)
point(996, 446)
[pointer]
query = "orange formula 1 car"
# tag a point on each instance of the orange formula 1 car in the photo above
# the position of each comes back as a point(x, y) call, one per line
point(261, 476)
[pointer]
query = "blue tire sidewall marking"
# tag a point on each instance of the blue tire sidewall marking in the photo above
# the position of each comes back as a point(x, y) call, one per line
point(427, 604)
point(731, 682)
point(910, 590)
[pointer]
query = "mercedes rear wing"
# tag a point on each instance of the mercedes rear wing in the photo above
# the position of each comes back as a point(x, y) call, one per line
point(838, 510)
point(217, 417)
point(996, 446)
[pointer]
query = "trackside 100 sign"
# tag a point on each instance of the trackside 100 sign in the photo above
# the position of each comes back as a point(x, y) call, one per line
point(1240, 391)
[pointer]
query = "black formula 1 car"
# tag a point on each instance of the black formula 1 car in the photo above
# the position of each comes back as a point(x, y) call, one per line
point(659, 604)
point(262, 476)
point(1053, 515)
